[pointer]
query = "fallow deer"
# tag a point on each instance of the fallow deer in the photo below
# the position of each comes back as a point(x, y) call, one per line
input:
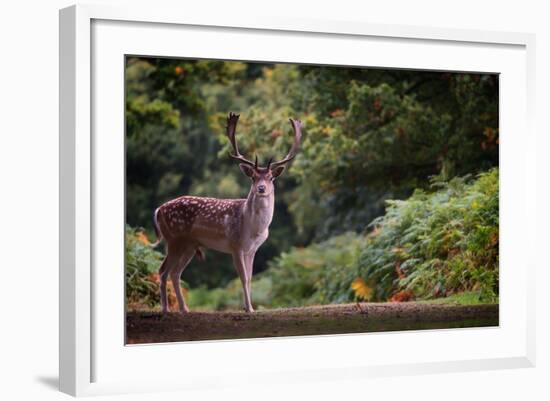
point(234, 226)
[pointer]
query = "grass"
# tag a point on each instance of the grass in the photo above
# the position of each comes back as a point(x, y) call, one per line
point(463, 298)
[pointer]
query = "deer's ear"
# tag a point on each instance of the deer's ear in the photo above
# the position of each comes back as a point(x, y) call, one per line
point(277, 171)
point(247, 170)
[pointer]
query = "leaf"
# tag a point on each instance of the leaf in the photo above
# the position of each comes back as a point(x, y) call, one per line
point(142, 237)
point(361, 289)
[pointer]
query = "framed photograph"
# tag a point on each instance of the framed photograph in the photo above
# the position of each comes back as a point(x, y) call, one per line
point(290, 200)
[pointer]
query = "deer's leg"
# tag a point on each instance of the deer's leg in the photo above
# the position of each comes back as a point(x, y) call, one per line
point(240, 266)
point(163, 274)
point(249, 263)
point(166, 267)
point(175, 276)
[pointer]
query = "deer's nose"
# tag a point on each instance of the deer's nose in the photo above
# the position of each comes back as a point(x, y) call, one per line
point(261, 189)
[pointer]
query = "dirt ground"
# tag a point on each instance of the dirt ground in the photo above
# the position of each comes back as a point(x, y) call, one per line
point(154, 327)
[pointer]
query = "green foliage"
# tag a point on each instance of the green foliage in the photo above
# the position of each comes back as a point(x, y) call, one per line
point(461, 298)
point(142, 262)
point(437, 244)
point(379, 135)
point(230, 297)
point(319, 273)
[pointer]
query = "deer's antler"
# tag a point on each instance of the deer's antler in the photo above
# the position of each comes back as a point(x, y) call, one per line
point(231, 128)
point(297, 128)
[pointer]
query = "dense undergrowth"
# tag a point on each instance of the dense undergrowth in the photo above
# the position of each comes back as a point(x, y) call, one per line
point(436, 244)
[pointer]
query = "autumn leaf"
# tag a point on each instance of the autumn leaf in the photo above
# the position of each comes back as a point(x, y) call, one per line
point(141, 237)
point(361, 289)
point(402, 296)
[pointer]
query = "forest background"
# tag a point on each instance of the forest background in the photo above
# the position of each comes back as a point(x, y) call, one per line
point(393, 196)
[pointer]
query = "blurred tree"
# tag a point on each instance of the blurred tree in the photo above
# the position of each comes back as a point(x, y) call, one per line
point(378, 134)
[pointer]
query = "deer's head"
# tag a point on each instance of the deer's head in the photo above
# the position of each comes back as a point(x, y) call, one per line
point(262, 177)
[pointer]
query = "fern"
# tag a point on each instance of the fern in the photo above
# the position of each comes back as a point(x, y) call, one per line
point(447, 242)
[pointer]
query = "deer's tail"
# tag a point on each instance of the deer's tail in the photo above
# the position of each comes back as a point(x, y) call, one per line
point(157, 229)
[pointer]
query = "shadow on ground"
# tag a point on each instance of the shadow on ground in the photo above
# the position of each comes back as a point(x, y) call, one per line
point(52, 382)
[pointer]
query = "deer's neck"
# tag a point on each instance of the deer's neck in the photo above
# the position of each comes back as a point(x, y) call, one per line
point(258, 212)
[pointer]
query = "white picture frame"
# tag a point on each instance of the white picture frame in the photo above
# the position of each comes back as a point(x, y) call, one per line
point(92, 353)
